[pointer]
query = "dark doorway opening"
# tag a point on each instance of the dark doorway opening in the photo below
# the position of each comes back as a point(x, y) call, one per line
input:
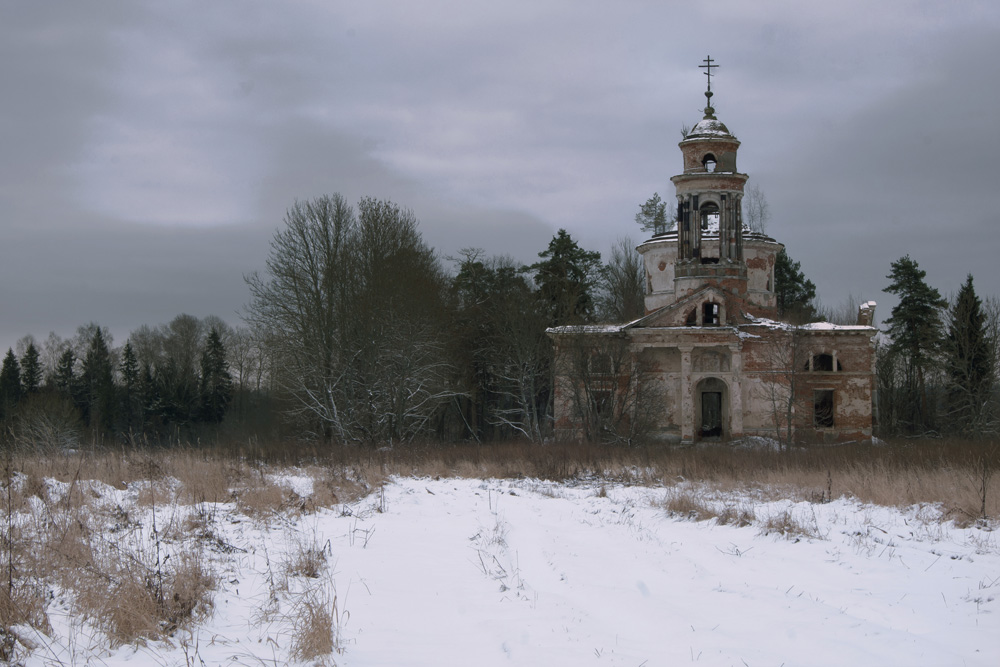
point(711, 414)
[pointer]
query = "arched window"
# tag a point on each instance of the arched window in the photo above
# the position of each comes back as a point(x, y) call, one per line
point(692, 318)
point(708, 162)
point(824, 363)
point(710, 216)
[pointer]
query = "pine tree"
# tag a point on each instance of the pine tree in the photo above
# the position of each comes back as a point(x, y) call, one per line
point(916, 332)
point(566, 279)
point(10, 385)
point(793, 291)
point(31, 370)
point(652, 216)
point(216, 387)
point(969, 362)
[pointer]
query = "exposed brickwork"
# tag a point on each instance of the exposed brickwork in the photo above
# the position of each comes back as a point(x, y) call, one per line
point(744, 374)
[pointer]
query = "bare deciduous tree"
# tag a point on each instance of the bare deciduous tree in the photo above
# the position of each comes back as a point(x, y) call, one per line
point(846, 312)
point(612, 393)
point(622, 295)
point(756, 211)
point(350, 309)
point(784, 358)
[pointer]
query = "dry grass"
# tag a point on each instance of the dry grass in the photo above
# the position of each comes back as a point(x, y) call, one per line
point(72, 542)
point(313, 618)
point(738, 515)
point(693, 505)
point(687, 504)
point(129, 599)
point(789, 526)
point(896, 474)
point(259, 497)
point(307, 560)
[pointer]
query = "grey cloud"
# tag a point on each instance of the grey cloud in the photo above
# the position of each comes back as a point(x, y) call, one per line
point(150, 149)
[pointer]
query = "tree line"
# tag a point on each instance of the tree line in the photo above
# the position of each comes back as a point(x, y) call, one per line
point(356, 333)
point(938, 360)
point(166, 382)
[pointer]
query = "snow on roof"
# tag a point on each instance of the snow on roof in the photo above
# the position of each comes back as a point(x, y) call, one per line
point(812, 326)
point(709, 127)
point(586, 329)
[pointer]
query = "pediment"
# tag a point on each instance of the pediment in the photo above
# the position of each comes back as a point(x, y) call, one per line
point(677, 313)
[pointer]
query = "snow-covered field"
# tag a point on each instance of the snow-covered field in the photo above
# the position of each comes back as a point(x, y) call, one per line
point(520, 572)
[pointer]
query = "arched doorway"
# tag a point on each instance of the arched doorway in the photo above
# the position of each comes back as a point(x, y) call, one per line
point(711, 401)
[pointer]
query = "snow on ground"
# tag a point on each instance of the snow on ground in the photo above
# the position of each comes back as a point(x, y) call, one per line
point(504, 572)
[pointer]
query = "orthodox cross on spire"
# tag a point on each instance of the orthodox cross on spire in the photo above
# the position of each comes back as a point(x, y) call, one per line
point(708, 67)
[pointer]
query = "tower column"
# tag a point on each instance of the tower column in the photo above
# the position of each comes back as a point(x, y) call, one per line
point(725, 229)
point(736, 392)
point(686, 395)
point(739, 222)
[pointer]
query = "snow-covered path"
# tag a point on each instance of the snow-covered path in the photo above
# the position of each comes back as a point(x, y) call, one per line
point(520, 572)
point(490, 573)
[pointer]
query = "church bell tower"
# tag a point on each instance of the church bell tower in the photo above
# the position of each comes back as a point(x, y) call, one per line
point(709, 206)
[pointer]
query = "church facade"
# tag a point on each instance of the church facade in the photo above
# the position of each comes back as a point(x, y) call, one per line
point(709, 360)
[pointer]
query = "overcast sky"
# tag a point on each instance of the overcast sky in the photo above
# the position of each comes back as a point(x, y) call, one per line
point(148, 150)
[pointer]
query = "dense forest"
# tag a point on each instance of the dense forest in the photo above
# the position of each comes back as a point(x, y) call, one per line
point(358, 333)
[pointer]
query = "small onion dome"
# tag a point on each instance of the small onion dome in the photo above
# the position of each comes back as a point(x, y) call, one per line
point(709, 127)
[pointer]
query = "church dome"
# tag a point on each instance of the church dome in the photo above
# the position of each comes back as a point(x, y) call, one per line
point(709, 127)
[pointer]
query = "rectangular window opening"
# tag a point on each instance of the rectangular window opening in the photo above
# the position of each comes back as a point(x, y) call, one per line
point(823, 408)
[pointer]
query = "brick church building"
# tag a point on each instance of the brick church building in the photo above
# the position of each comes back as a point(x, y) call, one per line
point(709, 360)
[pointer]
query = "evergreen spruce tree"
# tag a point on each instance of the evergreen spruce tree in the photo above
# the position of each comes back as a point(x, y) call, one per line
point(566, 279)
point(916, 332)
point(794, 292)
point(66, 381)
point(131, 397)
point(216, 386)
point(98, 384)
point(10, 385)
point(31, 370)
point(500, 341)
point(149, 392)
point(969, 363)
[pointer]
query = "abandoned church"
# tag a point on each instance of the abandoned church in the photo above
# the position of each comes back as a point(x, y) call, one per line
point(709, 360)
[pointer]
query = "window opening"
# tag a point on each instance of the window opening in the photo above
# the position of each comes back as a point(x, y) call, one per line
point(708, 162)
point(823, 363)
point(823, 408)
point(711, 316)
point(692, 318)
point(710, 217)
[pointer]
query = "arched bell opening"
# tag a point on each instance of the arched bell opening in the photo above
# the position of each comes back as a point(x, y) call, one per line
point(709, 220)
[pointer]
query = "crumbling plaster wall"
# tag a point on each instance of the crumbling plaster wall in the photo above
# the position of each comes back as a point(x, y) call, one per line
point(775, 361)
